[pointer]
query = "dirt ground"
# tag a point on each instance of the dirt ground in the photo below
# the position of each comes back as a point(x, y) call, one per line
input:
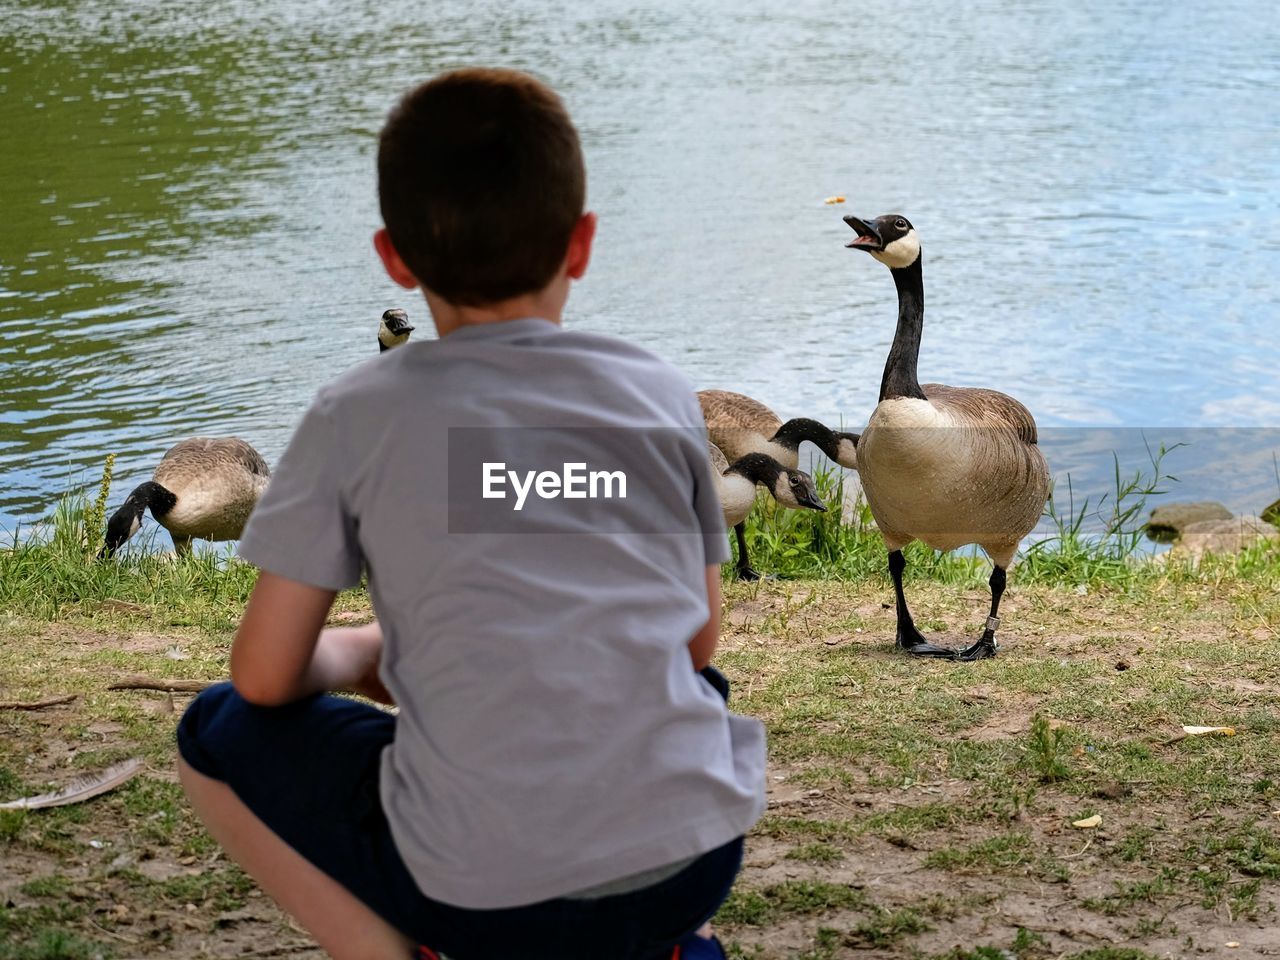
point(915, 809)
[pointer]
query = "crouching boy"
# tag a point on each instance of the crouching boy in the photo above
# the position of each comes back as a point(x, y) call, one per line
point(560, 780)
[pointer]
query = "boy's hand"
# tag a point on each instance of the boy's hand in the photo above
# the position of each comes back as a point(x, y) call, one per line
point(370, 685)
point(352, 656)
point(283, 652)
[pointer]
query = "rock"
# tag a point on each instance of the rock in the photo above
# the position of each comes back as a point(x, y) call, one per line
point(1171, 519)
point(1271, 514)
point(1222, 536)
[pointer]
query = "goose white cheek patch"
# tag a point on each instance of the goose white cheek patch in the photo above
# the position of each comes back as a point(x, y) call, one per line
point(901, 253)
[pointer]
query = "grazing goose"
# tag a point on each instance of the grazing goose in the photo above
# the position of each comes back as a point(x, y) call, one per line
point(204, 487)
point(945, 465)
point(739, 425)
point(736, 487)
point(393, 330)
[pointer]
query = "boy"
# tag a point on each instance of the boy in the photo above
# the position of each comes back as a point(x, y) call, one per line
point(559, 781)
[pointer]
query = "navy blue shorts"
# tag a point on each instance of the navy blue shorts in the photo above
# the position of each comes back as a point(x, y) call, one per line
point(309, 771)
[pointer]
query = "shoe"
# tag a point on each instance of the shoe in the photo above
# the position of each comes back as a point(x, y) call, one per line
point(694, 947)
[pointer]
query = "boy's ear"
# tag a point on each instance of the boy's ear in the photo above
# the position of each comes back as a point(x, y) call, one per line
point(391, 261)
point(579, 254)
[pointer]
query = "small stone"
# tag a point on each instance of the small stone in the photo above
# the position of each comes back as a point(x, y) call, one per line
point(1171, 519)
point(1271, 514)
point(121, 862)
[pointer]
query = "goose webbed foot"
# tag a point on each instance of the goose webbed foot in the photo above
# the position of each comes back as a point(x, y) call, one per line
point(912, 642)
point(984, 649)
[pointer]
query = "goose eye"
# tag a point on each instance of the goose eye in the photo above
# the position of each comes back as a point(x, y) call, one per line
point(900, 224)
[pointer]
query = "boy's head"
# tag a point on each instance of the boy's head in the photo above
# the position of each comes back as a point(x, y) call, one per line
point(482, 185)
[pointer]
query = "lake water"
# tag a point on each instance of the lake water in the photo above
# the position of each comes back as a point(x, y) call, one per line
point(187, 197)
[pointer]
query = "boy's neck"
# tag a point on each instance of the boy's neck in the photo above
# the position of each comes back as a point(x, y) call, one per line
point(546, 304)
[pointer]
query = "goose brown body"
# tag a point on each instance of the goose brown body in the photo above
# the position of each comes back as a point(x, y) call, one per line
point(739, 425)
point(217, 482)
point(960, 466)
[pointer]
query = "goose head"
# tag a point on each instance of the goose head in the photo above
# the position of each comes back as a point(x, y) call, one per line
point(891, 239)
point(127, 520)
point(124, 523)
point(791, 488)
point(394, 329)
point(796, 489)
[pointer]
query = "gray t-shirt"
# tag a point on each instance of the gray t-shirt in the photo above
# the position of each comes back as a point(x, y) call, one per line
point(552, 736)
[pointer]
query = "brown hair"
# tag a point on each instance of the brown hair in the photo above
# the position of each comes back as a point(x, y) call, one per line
point(481, 181)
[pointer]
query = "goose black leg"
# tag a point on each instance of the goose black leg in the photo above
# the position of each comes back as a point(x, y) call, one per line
point(744, 562)
point(909, 638)
point(986, 645)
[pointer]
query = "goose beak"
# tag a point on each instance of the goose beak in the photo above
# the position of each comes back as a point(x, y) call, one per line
point(811, 501)
point(868, 237)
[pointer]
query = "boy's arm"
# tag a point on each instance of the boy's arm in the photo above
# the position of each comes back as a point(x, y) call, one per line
point(703, 644)
point(282, 652)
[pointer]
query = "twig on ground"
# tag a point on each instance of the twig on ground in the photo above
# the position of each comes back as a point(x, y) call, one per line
point(139, 682)
point(38, 704)
point(281, 950)
point(112, 933)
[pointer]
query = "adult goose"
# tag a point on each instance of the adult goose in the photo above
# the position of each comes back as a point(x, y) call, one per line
point(736, 486)
point(203, 488)
point(739, 425)
point(945, 465)
point(393, 330)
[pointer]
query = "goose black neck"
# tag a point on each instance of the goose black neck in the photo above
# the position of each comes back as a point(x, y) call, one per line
point(900, 369)
point(154, 495)
point(757, 467)
point(794, 432)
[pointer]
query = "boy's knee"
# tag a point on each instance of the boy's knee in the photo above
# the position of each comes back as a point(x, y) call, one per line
point(203, 727)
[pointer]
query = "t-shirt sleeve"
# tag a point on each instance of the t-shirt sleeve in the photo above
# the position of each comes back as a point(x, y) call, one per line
point(301, 529)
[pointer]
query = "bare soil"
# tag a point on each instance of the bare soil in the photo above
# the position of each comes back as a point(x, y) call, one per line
point(908, 811)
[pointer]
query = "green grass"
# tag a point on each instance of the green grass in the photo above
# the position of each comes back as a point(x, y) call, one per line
point(752, 907)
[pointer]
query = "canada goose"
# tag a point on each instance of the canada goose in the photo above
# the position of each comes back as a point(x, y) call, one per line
point(736, 487)
point(203, 487)
point(740, 425)
point(945, 465)
point(393, 330)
